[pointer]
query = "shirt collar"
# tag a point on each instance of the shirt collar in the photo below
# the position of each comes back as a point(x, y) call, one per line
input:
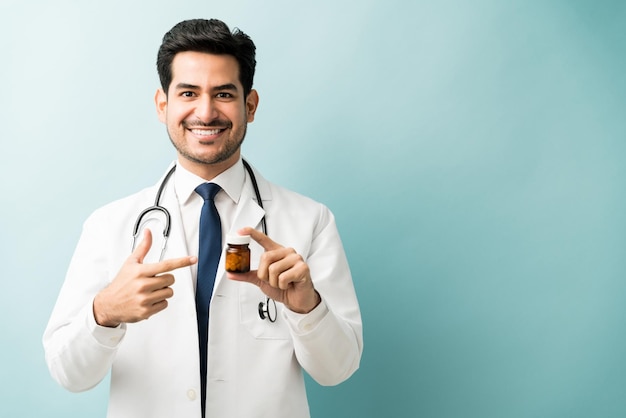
point(231, 181)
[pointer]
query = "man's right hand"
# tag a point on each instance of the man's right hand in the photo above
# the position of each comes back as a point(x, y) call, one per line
point(139, 290)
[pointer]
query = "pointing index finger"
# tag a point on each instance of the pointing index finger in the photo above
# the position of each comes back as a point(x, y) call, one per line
point(170, 264)
point(263, 240)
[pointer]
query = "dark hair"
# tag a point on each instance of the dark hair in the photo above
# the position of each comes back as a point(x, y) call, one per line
point(211, 36)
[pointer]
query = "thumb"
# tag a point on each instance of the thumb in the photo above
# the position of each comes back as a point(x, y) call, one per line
point(250, 277)
point(142, 249)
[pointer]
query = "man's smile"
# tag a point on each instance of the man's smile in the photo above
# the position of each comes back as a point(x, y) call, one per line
point(205, 132)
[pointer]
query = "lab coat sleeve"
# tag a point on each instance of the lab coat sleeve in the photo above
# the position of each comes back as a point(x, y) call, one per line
point(328, 342)
point(79, 352)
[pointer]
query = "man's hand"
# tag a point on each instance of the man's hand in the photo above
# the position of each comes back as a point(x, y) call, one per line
point(139, 290)
point(282, 275)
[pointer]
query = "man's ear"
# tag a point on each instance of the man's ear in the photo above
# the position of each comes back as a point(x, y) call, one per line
point(160, 100)
point(252, 102)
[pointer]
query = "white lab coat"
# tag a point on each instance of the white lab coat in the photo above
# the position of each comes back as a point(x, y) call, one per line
point(254, 366)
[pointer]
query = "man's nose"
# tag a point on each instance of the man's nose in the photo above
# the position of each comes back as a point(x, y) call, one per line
point(206, 110)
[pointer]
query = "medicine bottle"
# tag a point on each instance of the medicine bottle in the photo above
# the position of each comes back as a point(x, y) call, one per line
point(237, 253)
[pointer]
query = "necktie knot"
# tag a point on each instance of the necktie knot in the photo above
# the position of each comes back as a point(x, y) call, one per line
point(208, 190)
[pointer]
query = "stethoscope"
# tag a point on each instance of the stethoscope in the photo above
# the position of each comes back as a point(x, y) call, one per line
point(264, 307)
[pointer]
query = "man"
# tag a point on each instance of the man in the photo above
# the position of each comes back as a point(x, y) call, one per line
point(141, 316)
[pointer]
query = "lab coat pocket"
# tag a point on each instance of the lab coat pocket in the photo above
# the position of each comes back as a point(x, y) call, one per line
point(249, 299)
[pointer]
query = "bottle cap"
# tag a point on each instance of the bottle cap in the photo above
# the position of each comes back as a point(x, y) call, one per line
point(236, 239)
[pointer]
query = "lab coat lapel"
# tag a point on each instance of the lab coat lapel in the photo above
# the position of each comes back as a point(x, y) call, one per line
point(248, 213)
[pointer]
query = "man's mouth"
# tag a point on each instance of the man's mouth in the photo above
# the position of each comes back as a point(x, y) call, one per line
point(205, 132)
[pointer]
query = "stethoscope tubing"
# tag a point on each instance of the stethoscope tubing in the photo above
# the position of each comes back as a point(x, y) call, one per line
point(264, 307)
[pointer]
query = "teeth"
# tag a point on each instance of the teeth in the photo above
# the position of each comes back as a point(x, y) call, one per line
point(205, 132)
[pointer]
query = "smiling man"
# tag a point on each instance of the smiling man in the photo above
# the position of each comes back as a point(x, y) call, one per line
point(206, 111)
point(180, 336)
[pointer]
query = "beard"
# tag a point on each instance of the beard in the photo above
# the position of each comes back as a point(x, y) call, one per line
point(231, 145)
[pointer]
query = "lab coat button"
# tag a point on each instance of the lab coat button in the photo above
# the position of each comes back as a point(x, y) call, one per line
point(307, 327)
point(191, 394)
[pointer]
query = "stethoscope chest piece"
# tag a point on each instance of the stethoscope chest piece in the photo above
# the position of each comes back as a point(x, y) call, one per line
point(265, 312)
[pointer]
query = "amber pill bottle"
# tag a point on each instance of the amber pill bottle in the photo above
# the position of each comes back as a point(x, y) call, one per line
point(237, 253)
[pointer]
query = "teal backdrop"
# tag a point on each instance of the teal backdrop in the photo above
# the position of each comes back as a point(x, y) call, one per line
point(473, 153)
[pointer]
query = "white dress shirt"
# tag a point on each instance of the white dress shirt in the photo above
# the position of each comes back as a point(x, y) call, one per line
point(231, 181)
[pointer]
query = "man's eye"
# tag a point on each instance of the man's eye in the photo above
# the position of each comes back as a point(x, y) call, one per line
point(187, 94)
point(224, 95)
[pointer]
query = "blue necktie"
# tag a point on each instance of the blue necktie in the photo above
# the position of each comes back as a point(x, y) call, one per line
point(208, 259)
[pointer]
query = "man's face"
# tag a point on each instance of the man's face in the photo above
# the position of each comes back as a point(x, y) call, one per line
point(205, 111)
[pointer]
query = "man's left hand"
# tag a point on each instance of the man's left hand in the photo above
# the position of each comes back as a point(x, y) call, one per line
point(282, 275)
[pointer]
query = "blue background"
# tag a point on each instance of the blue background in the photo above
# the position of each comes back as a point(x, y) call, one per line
point(472, 152)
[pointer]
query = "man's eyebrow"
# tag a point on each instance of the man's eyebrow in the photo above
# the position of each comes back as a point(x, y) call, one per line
point(227, 86)
point(181, 86)
point(222, 87)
